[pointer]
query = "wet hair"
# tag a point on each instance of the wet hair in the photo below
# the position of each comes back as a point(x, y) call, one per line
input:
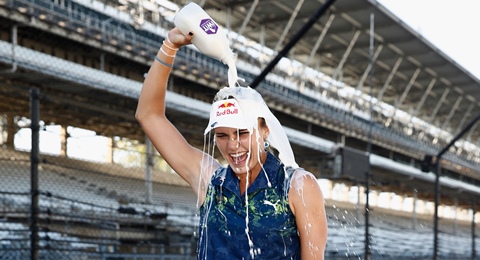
point(218, 98)
point(254, 107)
point(262, 122)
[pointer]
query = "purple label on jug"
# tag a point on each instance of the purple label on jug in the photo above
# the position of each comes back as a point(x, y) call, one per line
point(209, 26)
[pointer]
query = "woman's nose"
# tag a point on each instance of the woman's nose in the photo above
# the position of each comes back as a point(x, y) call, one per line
point(233, 141)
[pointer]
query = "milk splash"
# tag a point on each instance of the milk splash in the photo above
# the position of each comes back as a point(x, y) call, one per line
point(208, 37)
point(253, 107)
point(211, 40)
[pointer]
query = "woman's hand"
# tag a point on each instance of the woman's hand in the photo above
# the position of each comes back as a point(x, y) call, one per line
point(178, 39)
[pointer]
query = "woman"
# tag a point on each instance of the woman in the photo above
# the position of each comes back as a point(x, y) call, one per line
point(258, 207)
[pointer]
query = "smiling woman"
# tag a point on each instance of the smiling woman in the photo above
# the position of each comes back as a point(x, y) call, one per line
point(258, 206)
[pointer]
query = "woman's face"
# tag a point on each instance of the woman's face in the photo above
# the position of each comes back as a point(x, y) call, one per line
point(238, 145)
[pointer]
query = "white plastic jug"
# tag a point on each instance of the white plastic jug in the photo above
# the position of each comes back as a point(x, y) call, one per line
point(208, 37)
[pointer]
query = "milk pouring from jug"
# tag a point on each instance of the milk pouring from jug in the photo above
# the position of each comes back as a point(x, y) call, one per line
point(208, 37)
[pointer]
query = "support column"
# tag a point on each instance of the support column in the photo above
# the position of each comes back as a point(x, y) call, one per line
point(414, 209)
point(11, 130)
point(109, 158)
point(474, 211)
point(102, 61)
point(319, 40)
point(359, 194)
point(373, 198)
point(400, 202)
point(3, 124)
point(34, 180)
point(328, 192)
point(63, 141)
point(148, 170)
point(455, 217)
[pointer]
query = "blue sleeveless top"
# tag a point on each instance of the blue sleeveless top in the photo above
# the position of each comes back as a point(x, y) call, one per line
point(271, 231)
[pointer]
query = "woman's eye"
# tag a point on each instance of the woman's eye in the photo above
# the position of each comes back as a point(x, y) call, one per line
point(221, 135)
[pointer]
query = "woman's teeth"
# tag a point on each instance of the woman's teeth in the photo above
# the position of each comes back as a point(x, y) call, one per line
point(236, 157)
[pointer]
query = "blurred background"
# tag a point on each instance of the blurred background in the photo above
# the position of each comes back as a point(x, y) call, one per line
point(367, 103)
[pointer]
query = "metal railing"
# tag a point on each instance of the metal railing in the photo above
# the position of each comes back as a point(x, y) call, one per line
point(108, 30)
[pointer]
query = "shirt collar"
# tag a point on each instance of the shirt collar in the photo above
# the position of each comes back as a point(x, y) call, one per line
point(228, 180)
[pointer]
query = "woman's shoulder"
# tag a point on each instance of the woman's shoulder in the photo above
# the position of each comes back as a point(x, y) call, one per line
point(301, 179)
point(305, 192)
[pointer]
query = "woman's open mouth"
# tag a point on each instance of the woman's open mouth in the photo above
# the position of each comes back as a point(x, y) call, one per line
point(239, 158)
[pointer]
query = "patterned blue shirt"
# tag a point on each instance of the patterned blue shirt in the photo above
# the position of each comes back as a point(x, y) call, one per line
point(271, 231)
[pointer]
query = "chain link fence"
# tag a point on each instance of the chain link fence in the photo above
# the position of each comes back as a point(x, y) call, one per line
point(100, 201)
point(96, 189)
point(86, 196)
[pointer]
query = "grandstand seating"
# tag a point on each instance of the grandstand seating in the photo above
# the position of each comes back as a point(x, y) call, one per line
point(97, 187)
point(105, 189)
point(107, 205)
point(117, 32)
point(94, 182)
point(392, 236)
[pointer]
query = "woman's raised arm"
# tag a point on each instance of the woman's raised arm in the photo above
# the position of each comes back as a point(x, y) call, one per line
point(180, 155)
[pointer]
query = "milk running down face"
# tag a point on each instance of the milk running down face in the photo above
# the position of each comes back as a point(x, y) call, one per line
point(241, 107)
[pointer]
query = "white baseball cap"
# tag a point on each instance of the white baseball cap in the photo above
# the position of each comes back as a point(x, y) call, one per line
point(226, 113)
point(240, 108)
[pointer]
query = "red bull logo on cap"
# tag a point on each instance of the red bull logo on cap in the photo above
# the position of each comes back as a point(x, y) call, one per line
point(227, 108)
point(227, 113)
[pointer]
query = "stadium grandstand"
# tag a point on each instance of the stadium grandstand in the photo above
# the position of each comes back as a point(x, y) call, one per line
point(388, 129)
